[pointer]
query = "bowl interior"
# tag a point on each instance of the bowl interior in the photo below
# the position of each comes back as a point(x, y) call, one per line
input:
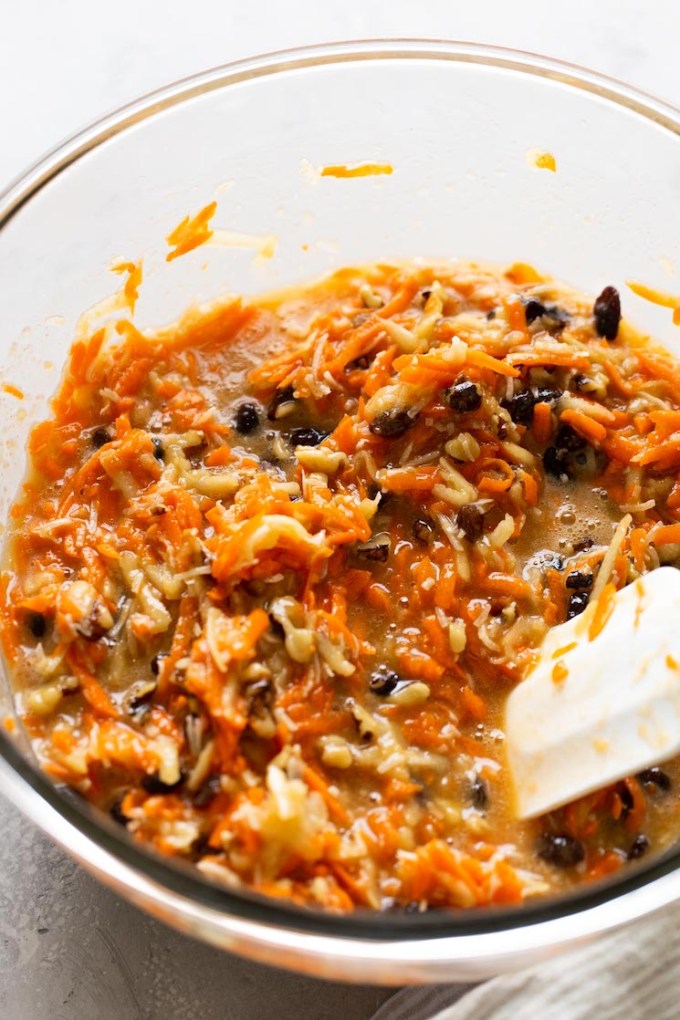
point(456, 125)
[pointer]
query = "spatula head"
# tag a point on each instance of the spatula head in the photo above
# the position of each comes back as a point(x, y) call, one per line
point(602, 702)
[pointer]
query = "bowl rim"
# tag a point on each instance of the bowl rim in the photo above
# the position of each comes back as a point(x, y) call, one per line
point(158, 881)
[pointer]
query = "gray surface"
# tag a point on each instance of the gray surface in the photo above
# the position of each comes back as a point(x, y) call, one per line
point(72, 950)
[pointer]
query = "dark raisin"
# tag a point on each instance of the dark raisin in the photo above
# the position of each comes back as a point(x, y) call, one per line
point(464, 397)
point(210, 788)
point(116, 810)
point(156, 662)
point(140, 695)
point(555, 318)
point(577, 603)
point(638, 847)
point(582, 383)
point(491, 314)
point(307, 436)
point(258, 695)
point(377, 549)
point(470, 520)
point(37, 624)
point(533, 309)
point(555, 462)
point(361, 363)
point(100, 437)
point(584, 543)
point(278, 402)
point(423, 530)
point(547, 394)
point(277, 628)
point(579, 579)
point(562, 851)
point(154, 784)
point(521, 407)
point(384, 680)
point(568, 439)
point(247, 419)
point(479, 794)
point(158, 448)
point(626, 798)
point(655, 777)
point(391, 424)
point(607, 312)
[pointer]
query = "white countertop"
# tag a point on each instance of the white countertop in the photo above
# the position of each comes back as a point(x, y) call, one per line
point(68, 947)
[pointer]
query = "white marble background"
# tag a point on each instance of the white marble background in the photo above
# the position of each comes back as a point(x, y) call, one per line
point(70, 950)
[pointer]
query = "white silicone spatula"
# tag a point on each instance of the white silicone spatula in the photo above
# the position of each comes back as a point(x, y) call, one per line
point(600, 704)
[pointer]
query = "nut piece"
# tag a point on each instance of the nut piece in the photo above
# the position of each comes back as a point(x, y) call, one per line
point(410, 694)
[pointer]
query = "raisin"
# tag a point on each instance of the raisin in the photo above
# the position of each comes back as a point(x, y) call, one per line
point(577, 603)
point(521, 407)
point(533, 309)
point(384, 680)
point(154, 784)
point(100, 437)
point(579, 579)
point(210, 788)
point(639, 846)
point(280, 402)
point(361, 363)
point(377, 549)
point(247, 419)
point(465, 397)
point(655, 777)
point(156, 662)
point(547, 394)
point(562, 851)
point(158, 448)
point(116, 810)
point(277, 627)
point(391, 424)
point(607, 313)
point(470, 520)
point(479, 794)
point(584, 543)
point(626, 798)
point(583, 384)
point(307, 436)
point(491, 314)
point(555, 318)
point(37, 624)
point(423, 530)
point(568, 439)
point(555, 462)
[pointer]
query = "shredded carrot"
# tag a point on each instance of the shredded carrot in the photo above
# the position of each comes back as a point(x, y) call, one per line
point(192, 232)
point(357, 170)
point(591, 430)
point(667, 534)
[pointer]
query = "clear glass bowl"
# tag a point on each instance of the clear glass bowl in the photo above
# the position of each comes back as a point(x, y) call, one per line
point(456, 122)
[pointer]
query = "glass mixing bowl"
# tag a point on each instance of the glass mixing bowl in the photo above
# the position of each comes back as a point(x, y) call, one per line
point(456, 122)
